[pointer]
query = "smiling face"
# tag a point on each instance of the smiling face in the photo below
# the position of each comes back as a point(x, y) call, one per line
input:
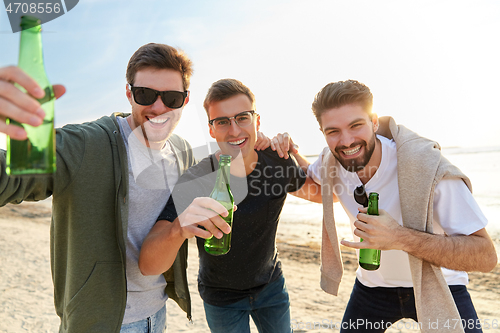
point(236, 138)
point(156, 121)
point(350, 134)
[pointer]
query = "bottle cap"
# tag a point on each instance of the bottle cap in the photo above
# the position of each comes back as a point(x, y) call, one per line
point(29, 22)
point(225, 158)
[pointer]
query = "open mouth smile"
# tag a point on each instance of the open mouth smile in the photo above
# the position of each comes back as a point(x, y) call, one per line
point(351, 152)
point(237, 142)
point(157, 120)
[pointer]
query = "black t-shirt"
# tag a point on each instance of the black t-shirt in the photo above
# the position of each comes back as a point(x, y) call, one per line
point(252, 261)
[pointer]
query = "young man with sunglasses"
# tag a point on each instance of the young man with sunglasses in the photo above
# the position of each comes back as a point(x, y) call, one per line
point(114, 176)
point(430, 229)
point(248, 280)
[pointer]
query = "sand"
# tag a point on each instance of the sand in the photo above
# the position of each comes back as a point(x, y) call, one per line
point(26, 294)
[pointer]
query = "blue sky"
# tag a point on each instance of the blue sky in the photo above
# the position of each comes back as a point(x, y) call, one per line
point(432, 65)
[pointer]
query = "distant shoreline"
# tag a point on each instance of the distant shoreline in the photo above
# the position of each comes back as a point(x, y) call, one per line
point(470, 150)
point(451, 150)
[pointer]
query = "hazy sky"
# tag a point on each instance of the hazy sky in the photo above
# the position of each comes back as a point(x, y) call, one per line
point(432, 65)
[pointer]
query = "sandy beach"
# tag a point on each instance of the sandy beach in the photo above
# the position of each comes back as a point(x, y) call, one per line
point(26, 294)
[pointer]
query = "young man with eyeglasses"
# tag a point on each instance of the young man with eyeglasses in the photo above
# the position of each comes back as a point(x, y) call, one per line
point(248, 280)
point(114, 176)
point(430, 229)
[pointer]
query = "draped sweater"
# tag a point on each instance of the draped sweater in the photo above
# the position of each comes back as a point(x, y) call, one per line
point(420, 167)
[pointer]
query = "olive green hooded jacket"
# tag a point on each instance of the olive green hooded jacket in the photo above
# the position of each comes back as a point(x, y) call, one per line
point(89, 224)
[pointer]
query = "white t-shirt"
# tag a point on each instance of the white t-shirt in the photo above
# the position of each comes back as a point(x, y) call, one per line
point(455, 212)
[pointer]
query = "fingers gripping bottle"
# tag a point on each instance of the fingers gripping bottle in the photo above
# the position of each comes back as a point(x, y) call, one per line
point(222, 193)
point(35, 155)
point(369, 259)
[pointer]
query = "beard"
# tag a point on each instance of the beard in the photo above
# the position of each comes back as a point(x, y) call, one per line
point(359, 163)
point(154, 136)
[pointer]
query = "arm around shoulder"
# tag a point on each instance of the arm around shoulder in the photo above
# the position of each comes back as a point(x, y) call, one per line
point(310, 191)
point(312, 187)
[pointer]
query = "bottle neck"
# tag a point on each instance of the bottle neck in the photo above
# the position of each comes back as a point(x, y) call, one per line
point(31, 62)
point(373, 204)
point(223, 175)
point(31, 48)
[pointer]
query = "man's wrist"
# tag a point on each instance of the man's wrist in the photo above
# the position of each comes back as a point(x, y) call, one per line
point(177, 232)
point(402, 236)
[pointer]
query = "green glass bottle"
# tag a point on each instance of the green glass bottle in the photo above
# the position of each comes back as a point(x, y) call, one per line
point(35, 155)
point(222, 193)
point(369, 259)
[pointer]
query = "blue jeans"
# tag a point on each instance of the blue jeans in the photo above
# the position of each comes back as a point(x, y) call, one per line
point(269, 308)
point(157, 323)
point(377, 308)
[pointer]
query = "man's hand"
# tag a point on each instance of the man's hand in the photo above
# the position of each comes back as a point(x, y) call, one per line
point(204, 212)
point(380, 232)
point(19, 106)
point(468, 253)
point(263, 142)
point(161, 245)
point(283, 144)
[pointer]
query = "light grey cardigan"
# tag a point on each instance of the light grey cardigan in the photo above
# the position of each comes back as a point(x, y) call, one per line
point(420, 167)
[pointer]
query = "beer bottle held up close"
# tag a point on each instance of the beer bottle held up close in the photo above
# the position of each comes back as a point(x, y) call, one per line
point(369, 259)
point(36, 154)
point(222, 193)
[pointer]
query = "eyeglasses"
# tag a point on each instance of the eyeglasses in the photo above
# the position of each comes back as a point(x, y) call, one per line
point(243, 119)
point(360, 196)
point(147, 96)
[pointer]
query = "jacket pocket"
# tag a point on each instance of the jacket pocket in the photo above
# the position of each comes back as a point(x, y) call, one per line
point(98, 305)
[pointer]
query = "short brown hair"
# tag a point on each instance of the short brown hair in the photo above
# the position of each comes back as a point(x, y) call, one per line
point(337, 94)
point(160, 56)
point(227, 88)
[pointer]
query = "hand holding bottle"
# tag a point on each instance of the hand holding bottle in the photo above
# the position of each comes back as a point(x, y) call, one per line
point(380, 232)
point(204, 212)
point(20, 106)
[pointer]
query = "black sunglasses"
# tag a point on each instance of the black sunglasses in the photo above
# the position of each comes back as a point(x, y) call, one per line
point(147, 96)
point(360, 196)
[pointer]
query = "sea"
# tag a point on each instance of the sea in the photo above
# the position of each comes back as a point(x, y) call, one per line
point(301, 220)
